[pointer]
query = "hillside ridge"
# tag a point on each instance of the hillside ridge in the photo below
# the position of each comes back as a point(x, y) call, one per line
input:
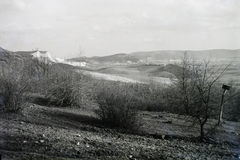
point(163, 55)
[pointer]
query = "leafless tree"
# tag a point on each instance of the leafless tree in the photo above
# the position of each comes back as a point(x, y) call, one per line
point(184, 84)
point(205, 81)
point(199, 90)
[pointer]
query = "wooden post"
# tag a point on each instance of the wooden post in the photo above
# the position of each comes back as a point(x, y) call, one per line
point(225, 89)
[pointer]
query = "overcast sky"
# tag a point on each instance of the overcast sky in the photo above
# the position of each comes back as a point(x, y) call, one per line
point(104, 27)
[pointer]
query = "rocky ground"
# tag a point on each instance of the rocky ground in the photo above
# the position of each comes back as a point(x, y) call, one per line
point(62, 133)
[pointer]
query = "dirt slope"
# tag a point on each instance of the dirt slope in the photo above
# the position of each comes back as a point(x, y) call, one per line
point(53, 133)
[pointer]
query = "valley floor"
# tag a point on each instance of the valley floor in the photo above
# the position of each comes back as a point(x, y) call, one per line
point(69, 133)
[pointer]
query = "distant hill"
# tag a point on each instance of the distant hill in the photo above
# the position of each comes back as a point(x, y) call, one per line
point(197, 55)
point(7, 56)
point(157, 55)
point(116, 58)
point(79, 59)
point(24, 53)
point(164, 56)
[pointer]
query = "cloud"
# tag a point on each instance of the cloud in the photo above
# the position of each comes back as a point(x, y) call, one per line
point(31, 15)
point(122, 24)
point(13, 5)
point(97, 28)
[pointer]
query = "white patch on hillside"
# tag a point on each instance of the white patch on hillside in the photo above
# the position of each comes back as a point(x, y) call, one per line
point(78, 64)
point(110, 77)
point(43, 56)
point(46, 58)
point(72, 63)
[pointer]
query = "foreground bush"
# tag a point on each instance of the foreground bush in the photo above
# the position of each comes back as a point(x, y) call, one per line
point(117, 105)
point(65, 88)
point(14, 86)
point(150, 96)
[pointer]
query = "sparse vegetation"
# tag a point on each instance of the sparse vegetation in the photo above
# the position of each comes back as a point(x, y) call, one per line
point(117, 105)
point(59, 86)
point(14, 86)
point(65, 87)
point(150, 96)
point(42, 67)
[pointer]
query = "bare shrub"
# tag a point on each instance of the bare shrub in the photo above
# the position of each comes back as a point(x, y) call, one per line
point(150, 96)
point(65, 88)
point(117, 105)
point(14, 85)
point(41, 72)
